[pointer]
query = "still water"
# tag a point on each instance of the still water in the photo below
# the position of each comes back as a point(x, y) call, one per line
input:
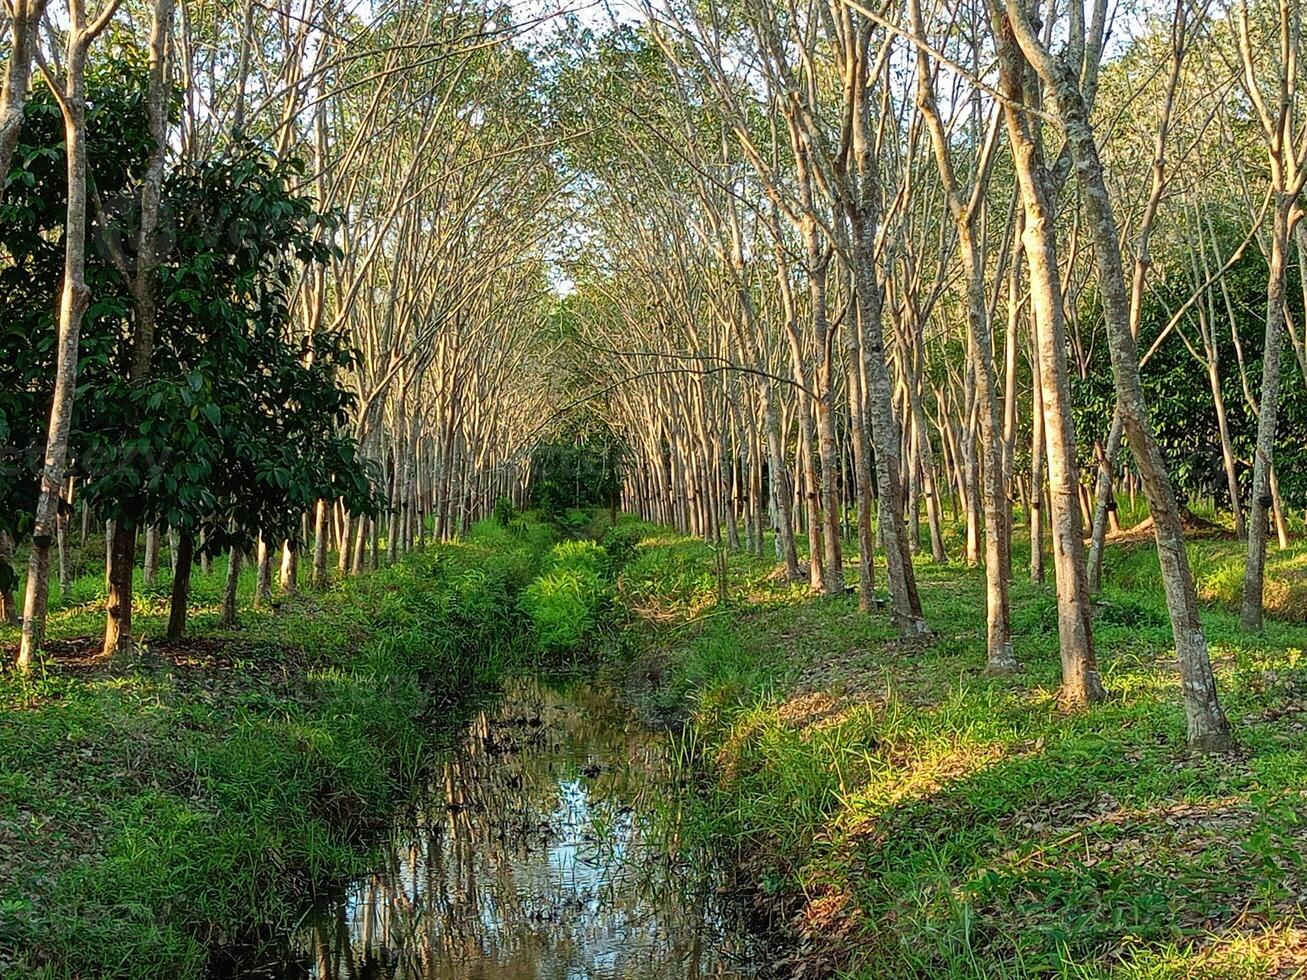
point(542, 850)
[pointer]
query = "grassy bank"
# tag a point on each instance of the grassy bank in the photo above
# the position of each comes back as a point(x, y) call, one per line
point(906, 816)
point(148, 810)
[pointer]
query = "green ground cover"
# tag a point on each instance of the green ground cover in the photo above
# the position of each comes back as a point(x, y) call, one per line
point(907, 816)
point(149, 809)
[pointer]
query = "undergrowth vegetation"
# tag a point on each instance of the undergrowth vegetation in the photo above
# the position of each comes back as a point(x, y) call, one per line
point(907, 816)
point(152, 809)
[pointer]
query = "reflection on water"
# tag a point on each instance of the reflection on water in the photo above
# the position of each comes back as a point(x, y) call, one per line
point(536, 855)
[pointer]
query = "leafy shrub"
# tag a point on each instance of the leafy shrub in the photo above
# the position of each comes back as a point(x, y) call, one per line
point(578, 556)
point(620, 546)
point(564, 605)
point(673, 575)
point(575, 521)
point(503, 511)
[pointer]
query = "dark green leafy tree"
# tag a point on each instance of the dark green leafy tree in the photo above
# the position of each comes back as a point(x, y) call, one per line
point(241, 423)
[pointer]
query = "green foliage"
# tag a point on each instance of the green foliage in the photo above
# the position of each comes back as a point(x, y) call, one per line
point(503, 511)
point(621, 543)
point(955, 825)
point(582, 469)
point(235, 426)
point(1178, 388)
point(146, 811)
point(569, 600)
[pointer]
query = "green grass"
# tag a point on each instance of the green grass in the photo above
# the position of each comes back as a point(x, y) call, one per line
point(892, 803)
point(149, 809)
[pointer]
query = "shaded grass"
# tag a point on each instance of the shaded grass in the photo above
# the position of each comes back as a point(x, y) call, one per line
point(888, 799)
point(148, 809)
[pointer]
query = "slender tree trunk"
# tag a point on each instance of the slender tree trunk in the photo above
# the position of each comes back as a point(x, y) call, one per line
point(1104, 505)
point(151, 571)
point(290, 567)
point(1267, 415)
point(118, 609)
point(227, 618)
point(320, 532)
point(1208, 728)
point(24, 23)
point(263, 575)
point(181, 586)
point(74, 299)
point(8, 606)
point(65, 566)
point(1080, 679)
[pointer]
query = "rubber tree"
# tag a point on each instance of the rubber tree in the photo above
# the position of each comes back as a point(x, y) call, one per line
point(70, 92)
point(964, 207)
point(1081, 683)
point(1208, 728)
point(1270, 81)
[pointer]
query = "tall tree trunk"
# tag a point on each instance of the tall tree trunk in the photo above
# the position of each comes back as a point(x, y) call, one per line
point(74, 299)
point(24, 24)
point(1080, 679)
point(1104, 504)
point(263, 574)
point(1208, 728)
point(151, 568)
point(290, 567)
point(181, 585)
point(227, 617)
point(118, 608)
point(321, 529)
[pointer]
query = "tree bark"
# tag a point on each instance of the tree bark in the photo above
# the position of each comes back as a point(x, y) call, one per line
point(74, 299)
point(1260, 503)
point(181, 585)
point(1080, 679)
point(118, 608)
point(227, 617)
point(1208, 728)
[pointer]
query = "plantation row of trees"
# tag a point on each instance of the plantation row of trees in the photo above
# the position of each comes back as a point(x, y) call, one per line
point(269, 274)
point(282, 278)
point(852, 259)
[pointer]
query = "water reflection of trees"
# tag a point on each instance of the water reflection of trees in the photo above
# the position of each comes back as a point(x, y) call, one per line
point(533, 857)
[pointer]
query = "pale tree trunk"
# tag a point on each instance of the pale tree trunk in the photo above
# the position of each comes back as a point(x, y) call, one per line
point(290, 563)
point(999, 654)
point(1208, 728)
point(1277, 513)
point(151, 569)
point(141, 281)
point(1035, 502)
point(75, 297)
point(24, 23)
point(65, 566)
point(905, 603)
point(320, 532)
point(1103, 501)
point(780, 491)
point(343, 544)
point(1000, 657)
point(861, 472)
point(1080, 679)
point(1260, 503)
point(263, 575)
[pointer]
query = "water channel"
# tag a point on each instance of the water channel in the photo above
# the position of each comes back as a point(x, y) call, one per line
point(542, 849)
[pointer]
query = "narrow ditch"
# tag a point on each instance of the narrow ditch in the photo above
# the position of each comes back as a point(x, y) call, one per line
point(544, 846)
